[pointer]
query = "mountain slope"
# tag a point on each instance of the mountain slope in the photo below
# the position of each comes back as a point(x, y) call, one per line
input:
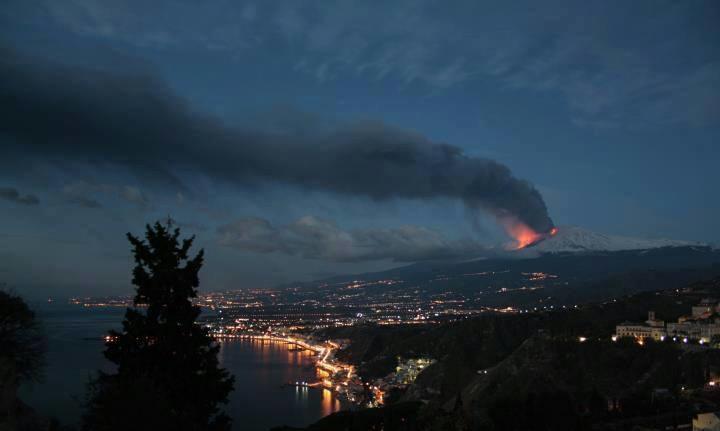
point(573, 239)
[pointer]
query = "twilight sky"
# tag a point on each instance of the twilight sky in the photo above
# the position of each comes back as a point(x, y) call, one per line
point(303, 139)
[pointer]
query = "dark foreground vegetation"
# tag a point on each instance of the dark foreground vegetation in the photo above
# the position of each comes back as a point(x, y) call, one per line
point(167, 377)
point(22, 348)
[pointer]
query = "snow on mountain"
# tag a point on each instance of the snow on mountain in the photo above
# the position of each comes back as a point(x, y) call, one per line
point(576, 239)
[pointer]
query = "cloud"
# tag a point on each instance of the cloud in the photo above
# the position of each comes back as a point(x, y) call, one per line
point(314, 238)
point(83, 193)
point(192, 226)
point(146, 127)
point(80, 193)
point(134, 195)
point(609, 60)
point(84, 202)
point(12, 195)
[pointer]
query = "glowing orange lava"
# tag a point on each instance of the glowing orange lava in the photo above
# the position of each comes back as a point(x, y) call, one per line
point(523, 234)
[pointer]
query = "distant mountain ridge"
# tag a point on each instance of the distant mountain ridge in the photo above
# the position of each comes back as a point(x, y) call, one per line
point(574, 266)
point(573, 239)
point(528, 278)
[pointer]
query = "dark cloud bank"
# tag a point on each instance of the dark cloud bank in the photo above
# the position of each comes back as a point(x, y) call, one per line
point(13, 195)
point(314, 238)
point(96, 116)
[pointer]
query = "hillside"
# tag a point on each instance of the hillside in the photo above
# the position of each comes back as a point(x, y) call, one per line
point(564, 384)
point(515, 371)
point(554, 278)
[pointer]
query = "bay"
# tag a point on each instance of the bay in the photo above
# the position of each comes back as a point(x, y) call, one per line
point(261, 398)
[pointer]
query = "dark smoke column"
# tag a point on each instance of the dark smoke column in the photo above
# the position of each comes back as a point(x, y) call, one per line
point(139, 123)
point(382, 162)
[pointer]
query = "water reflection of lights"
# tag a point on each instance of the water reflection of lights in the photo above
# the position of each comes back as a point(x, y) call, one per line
point(298, 352)
point(330, 404)
point(301, 393)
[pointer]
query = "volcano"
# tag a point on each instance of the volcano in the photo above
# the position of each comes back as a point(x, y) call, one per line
point(573, 239)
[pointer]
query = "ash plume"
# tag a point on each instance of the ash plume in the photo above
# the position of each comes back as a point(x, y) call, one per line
point(135, 120)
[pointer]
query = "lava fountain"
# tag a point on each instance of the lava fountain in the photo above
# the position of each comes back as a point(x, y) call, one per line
point(524, 235)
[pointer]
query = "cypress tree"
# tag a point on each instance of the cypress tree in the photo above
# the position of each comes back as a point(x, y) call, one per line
point(168, 375)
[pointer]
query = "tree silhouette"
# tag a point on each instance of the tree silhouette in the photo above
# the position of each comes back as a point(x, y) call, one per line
point(22, 344)
point(22, 353)
point(168, 376)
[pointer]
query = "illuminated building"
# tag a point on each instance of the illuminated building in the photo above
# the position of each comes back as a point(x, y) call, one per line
point(652, 328)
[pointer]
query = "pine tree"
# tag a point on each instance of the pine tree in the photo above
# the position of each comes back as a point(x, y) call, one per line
point(168, 376)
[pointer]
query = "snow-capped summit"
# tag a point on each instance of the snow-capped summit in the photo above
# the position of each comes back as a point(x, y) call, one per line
point(576, 239)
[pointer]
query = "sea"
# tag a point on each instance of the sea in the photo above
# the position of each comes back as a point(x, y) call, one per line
point(261, 400)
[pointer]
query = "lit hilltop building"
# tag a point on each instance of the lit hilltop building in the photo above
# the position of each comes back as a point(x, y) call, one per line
point(702, 325)
point(652, 328)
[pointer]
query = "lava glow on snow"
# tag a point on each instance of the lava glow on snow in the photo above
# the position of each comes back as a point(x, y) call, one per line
point(525, 236)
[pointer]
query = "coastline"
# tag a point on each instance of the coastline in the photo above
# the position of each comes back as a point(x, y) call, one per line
point(75, 337)
point(334, 376)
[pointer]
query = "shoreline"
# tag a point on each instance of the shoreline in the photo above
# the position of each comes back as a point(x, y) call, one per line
point(320, 362)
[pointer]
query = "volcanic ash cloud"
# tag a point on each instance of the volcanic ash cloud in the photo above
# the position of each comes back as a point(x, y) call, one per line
point(88, 115)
